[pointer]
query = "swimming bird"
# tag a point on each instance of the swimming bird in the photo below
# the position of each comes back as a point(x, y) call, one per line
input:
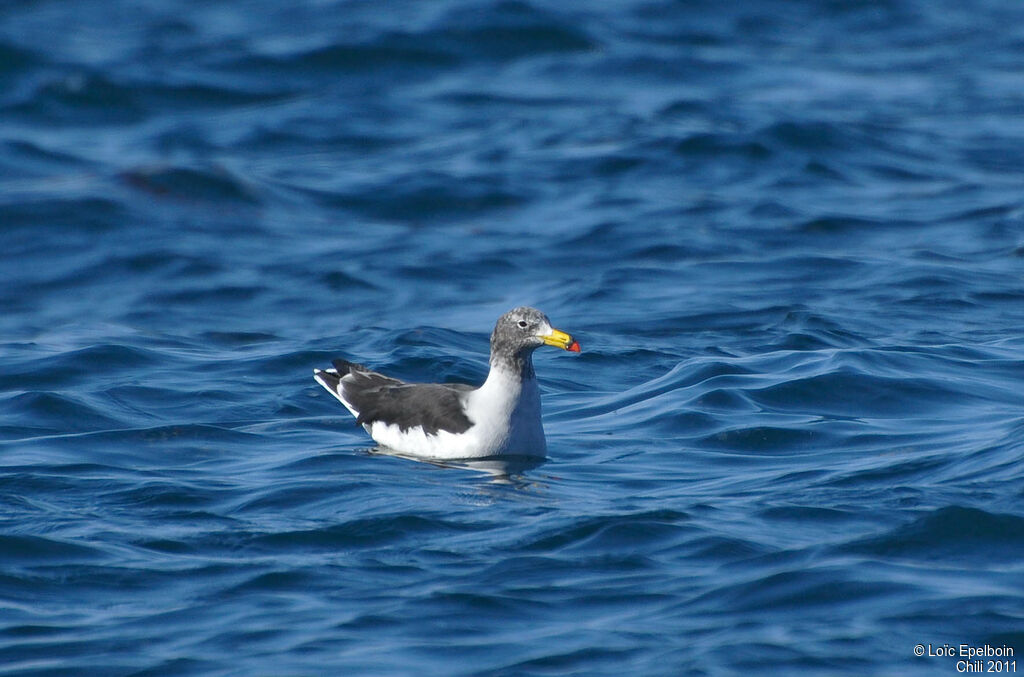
point(453, 420)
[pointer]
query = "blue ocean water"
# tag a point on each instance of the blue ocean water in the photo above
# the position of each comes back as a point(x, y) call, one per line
point(789, 236)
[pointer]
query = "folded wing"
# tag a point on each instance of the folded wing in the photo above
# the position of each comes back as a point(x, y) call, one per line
point(373, 397)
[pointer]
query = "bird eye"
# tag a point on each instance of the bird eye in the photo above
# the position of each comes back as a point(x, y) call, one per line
point(522, 324)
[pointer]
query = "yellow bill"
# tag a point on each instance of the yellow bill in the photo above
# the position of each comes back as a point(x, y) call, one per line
point(560, 339)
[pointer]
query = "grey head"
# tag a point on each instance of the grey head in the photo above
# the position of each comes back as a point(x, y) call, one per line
point(519, 332)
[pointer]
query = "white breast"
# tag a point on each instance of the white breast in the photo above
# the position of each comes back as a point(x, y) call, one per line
point(506, 415)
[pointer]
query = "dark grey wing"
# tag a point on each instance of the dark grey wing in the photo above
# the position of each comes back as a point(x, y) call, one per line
point(431, 406)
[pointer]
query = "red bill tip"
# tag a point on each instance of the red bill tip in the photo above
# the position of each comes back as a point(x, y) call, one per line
point(574, 347)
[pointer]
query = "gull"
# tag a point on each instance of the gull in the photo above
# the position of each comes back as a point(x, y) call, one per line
point(447, 421)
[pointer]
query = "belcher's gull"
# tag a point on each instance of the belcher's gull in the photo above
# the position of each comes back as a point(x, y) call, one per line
point(456, 421)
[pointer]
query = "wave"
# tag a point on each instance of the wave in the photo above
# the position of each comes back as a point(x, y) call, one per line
point(948, 536)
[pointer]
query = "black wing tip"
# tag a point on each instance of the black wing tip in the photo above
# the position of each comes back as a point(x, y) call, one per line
point(340, 369)
point(327, 378)
point(345, 367)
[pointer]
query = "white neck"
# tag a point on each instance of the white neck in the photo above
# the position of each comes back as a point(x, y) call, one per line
point(500, 392)
point(512, 403)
